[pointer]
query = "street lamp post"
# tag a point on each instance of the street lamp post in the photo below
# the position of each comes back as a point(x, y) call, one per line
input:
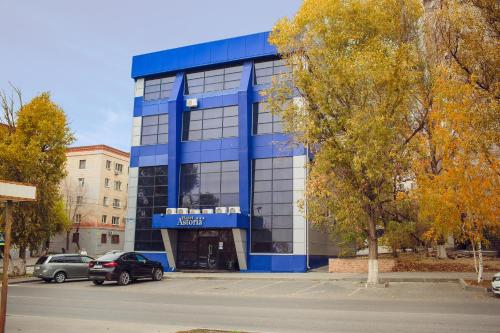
point(10, 192)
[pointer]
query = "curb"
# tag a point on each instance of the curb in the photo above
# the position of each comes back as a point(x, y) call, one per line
point(277, 278)
point(467, 287)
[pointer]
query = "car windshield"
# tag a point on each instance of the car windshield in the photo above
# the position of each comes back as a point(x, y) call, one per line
point(41, 260)
point(109, 257)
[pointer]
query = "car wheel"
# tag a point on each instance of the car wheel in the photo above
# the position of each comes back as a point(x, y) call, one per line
point(60, 277)
point(98, 282)
point(47, 280)
point(124, 278)
point(157, 274)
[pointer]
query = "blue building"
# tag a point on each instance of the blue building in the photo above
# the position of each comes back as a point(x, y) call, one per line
point(214, 183)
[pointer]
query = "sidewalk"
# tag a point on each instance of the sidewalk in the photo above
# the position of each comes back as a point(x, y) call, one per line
point(324, 276)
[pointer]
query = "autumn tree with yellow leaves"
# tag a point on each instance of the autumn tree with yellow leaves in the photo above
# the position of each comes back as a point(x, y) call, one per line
point(355, 71)
point(458, 174)
point(33, 141)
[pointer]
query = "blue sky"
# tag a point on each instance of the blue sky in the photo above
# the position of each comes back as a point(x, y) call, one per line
point(81, 51)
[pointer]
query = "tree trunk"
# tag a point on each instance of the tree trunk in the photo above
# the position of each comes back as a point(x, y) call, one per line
point(394, 252)
point(67, 240)
point(372, 252)
point(480, 263)
point(441, 252)
point(22, 252)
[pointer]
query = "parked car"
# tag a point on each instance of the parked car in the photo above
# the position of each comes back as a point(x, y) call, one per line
point(495, 284)
point(123, 267)
point(59, 267)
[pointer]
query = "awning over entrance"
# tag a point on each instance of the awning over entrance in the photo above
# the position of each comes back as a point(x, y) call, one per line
point(200, 221)
point(171, 224)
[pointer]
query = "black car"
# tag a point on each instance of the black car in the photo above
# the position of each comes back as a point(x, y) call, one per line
point(123, 267)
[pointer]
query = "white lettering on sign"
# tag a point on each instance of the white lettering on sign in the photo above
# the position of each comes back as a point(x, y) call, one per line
point(190, 221)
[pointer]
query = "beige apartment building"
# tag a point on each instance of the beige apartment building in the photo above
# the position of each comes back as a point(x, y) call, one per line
point(95, 194)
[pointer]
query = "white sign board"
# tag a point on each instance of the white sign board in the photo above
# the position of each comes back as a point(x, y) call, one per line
point(16, 191)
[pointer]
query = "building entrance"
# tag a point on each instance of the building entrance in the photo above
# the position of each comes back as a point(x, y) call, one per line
point(207, 249)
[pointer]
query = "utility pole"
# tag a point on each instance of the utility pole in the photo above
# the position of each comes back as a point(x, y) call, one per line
point(6, 255)
point(10, 192)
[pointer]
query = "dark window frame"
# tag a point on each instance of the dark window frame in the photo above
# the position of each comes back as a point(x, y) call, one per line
point(220, 178)
point(152, 198)
point(275, 123)
point(158, 87)
point(272, 206)
point(215, 79)
point(158, 126)
point(265, 70)
point(209, 121)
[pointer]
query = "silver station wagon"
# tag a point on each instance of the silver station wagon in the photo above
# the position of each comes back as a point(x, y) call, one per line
point(59, 267)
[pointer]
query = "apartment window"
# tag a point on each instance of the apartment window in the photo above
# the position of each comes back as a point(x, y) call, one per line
point(115, 220)
point(118, 167)
point(79, 199)
point(264, 122)
point(210, 123)
point(104, 238)
point(158, 88)
point(208, 185)
point(104, 219)
point(78, 218)
point(76, 237)
point(116, 203)
point(152, 198)
point(154, 129)
point(106, 182)
point(272, 205)
point(82, 164)
point(81, 182)
point(115, 239)
point(108, 164)
point(118, 185)
point(265, 70)
point(105, 201)
point(213, 80)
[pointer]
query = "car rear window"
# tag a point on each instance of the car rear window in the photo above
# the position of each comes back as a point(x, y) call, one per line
point(41, 260)
point(109, 257)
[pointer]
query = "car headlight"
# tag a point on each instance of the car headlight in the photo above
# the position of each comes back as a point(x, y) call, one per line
point(496, 278)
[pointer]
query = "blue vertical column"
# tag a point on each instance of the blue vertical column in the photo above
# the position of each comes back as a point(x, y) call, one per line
point(175, 108)
point(245, 136)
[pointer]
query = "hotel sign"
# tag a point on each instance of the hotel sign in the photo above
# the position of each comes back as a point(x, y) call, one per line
point(190, 220)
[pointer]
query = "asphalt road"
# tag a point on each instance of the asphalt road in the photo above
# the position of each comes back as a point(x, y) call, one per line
point(250, 306)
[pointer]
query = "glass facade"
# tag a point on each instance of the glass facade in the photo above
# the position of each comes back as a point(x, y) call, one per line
point(213, 80)
point(209, 185)
point(154, 129)
point(265, 70)
point(272, 205)
point(212, 123)
point(264, 122)
point(152, 198)
point(158, 88)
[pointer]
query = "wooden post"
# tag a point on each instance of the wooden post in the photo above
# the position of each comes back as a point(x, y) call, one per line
point(6, 257)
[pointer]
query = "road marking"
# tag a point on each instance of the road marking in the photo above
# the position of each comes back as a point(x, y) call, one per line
point(354, 292)
point(267, 285)
point(301, 291)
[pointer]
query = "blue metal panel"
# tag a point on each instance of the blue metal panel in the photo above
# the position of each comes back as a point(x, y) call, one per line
point(244, 126)
point(229, 154)
point(277, 263)
point(138, 106)
point(210, 156)
point(148, 160)
point(175, 107)
point(200, 221)
point(219, 52)
point(158, 256)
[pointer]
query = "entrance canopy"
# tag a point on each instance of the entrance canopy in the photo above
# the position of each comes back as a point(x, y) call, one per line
point(200, 221)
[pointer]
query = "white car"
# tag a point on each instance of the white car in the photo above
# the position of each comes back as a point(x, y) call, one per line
point(495, 284)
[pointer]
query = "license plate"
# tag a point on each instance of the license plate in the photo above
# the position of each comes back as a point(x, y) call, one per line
point(97, 266)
